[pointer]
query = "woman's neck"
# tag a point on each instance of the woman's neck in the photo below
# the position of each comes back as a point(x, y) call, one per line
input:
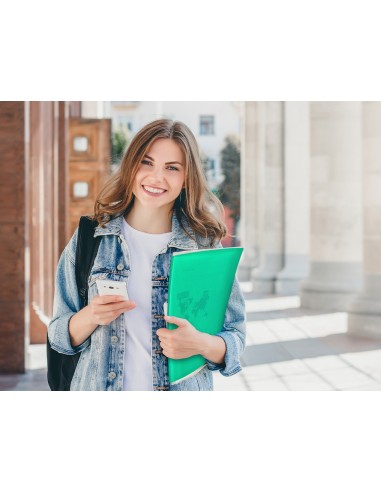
point(151, 221)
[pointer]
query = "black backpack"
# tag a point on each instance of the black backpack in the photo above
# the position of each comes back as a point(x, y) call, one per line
point(61, 367)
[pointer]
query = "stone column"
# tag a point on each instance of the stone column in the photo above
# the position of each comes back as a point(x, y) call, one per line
point(269, 205)
point(365, 311)
point(252, 147)
point(297, 197)
point(336, 220)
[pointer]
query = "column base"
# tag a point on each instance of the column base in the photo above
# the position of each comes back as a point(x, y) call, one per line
point(364, 325)
point(289, 279)
point(326, 301)
point(364, 313)
point(263, 284)
point(287, 287)
point(263, 277)
point(244, 272)
point(331, 286)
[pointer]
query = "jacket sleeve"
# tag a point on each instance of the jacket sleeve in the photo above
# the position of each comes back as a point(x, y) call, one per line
point(66, 302)
point(233, 332)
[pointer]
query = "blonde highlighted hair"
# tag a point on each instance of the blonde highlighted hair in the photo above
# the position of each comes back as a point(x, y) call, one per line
point(203, 211)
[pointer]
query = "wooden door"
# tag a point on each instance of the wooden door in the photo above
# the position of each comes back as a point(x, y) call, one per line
point(89, 165)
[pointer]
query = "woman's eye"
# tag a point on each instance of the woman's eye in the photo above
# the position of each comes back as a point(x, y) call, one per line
point(169, 167)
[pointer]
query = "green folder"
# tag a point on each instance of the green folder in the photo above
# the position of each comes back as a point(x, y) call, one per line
point(200, 284)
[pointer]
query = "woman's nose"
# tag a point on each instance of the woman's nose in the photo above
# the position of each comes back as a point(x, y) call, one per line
point(158, 173)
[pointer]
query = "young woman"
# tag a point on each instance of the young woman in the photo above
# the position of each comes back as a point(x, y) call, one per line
point(158, 202)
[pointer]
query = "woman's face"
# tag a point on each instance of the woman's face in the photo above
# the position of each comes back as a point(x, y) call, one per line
point(161, 175)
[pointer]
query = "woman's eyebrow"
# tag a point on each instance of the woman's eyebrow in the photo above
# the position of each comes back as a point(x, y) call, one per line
point(172, 162)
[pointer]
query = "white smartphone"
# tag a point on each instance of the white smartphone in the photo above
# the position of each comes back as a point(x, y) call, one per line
point(112, 287)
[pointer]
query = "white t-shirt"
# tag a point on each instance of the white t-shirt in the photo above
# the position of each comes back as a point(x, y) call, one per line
point(143, 248)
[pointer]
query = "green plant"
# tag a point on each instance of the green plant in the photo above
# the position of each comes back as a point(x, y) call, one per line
point(229, 189)
point(119, 142)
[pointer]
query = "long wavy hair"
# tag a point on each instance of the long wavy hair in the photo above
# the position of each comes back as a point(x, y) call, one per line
point(202, 210)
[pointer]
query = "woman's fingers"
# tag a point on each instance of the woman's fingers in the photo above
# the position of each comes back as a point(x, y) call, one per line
point(107, 299)
point(106, 318)
point(104, 307)
point(107, 308)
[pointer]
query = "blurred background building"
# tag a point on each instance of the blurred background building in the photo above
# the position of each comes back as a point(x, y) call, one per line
point(299, 181)
point(210, 122)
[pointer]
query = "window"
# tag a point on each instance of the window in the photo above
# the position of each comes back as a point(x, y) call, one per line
point(80, 189)
point(206, 125)
point(125, 122)
point(80, 144)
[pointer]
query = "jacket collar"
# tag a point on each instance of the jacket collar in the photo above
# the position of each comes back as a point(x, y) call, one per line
point(178, 239)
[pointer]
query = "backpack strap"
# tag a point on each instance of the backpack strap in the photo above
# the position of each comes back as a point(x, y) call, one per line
point(61, 367)
point(87, 249)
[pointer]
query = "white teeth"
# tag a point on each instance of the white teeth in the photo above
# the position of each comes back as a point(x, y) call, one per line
point(153, 190)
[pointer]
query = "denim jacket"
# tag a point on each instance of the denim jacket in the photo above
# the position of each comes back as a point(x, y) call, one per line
point(100, 366)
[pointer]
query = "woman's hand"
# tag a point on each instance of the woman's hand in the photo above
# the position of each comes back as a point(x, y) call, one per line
point(100, 311)
point(182, 342)
point(106, 308)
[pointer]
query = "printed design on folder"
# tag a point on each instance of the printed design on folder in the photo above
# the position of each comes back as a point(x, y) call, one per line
point(198, 306)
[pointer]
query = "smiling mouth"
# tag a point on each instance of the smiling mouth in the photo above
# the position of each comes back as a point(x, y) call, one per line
point(153, 191)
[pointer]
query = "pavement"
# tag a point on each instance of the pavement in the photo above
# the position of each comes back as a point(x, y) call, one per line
point(287, 348)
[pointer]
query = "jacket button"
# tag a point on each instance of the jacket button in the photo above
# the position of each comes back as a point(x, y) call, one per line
point(120, 266)
point(114, 339)
point(112, 375)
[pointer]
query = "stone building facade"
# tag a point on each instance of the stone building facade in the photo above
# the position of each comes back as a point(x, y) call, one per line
point(311, 206)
